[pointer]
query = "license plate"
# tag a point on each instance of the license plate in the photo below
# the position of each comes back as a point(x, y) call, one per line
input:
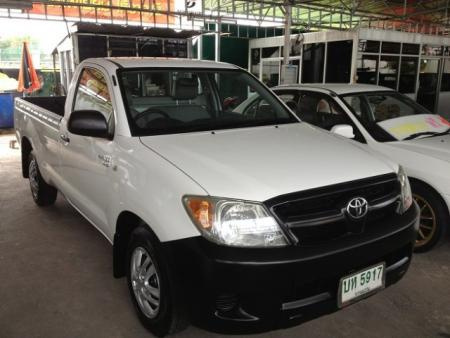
point(361, 284)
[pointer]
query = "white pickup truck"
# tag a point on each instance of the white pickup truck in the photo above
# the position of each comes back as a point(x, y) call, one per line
point(243, 216)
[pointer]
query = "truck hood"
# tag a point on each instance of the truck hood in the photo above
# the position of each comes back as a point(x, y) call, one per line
point(437, 147)
point(264, 162)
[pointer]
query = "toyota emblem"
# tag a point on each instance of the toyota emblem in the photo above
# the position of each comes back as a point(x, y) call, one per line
point(357, 208)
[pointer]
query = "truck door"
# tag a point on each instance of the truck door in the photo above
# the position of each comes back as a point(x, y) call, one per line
point(86, 162)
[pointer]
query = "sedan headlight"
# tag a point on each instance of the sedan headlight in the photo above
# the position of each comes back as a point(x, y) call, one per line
point(407, 199)
point(234, 223)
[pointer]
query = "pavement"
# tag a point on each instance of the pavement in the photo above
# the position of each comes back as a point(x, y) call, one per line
point(56, 280)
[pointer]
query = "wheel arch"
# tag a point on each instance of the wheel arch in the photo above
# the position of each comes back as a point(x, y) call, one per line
point(126, 222)
point(414, 180)
point(26, 148)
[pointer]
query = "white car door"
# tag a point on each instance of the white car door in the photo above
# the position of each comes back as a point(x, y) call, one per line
point(87, 161)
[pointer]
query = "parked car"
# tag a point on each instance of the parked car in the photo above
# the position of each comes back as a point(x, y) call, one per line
point(249, 219)
point(395, 126)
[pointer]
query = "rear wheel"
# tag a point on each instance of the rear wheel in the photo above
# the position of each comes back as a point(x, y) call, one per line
point(433, 217)
point(152, 286)
point(43, 193)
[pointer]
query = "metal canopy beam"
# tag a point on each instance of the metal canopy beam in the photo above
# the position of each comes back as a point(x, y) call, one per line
point(18, 4)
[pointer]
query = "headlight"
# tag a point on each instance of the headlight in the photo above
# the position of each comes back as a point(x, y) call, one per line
point(234, 222)
point(405, 190)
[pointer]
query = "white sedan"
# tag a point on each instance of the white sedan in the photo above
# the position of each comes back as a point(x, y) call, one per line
point(394, 125)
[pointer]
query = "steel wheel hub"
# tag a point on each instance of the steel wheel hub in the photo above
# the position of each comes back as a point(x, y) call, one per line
point(145, 282)
point(427, 227)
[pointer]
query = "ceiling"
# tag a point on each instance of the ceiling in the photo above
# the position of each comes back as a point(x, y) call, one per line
point(425, 16)
point(344, 14)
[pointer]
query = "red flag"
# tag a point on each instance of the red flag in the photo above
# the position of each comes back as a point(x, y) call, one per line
point(28, 79)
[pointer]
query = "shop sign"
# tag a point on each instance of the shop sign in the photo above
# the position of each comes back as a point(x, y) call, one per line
point(123, 12)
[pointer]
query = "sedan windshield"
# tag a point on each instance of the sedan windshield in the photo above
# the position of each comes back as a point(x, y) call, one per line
point(168, 101)
point(391, 116)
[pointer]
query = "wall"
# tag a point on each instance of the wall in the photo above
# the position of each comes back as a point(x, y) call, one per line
point(233, 50)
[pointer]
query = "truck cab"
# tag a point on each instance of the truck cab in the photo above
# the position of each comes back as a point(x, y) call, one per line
point(217, 208)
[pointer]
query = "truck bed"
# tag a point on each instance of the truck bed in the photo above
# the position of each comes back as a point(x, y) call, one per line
point(54, 104)
point(47, 110)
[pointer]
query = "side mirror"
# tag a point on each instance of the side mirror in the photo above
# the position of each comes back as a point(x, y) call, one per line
point(88, 123)
point(345, 130)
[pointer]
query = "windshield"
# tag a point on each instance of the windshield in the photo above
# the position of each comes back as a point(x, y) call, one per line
point(168, 101)
point(390, 116)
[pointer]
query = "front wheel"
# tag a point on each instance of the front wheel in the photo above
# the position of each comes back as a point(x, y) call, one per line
point(43, 193)
point(433, 217)
point(152, 286)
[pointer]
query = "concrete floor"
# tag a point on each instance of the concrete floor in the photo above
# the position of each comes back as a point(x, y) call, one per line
point(56, 280)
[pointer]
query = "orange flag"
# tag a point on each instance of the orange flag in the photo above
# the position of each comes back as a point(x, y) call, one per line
point(28, 79)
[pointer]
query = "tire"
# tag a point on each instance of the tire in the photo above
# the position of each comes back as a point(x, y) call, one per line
point(43, 193)
point(158, 303)
point(433, 219)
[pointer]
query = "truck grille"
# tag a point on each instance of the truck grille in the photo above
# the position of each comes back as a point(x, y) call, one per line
point(318, 215)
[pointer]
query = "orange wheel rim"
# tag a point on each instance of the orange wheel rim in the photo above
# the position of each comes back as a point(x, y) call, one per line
point(428, 224)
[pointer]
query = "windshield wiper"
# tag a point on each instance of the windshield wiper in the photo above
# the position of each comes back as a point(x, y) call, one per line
point(426, 133)
point(416, 135)
point(447, 132)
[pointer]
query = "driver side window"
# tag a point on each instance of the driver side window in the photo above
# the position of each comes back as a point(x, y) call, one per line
point(260, 110)
point(321, 110)
point(92, 93)
point(318, 109)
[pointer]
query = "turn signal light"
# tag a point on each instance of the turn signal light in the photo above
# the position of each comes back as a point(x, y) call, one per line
point(202, 212)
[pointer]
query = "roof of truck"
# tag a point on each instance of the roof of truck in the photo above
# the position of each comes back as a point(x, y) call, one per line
point(337, 88)
point(159, 62)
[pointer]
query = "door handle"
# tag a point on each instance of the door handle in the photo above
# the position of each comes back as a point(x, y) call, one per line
point(64, 138)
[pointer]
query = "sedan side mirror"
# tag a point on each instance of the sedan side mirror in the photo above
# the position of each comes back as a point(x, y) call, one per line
point(345, 130)
point(88, 123)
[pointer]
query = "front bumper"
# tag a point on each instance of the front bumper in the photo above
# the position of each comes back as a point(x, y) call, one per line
point(263, 289)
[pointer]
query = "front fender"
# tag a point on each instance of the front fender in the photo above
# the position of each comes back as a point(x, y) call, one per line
point(152, 188)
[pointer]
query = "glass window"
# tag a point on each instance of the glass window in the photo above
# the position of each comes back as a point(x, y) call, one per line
point(408, 75)
point(388, 71)
point(386, 107)
point(390, 47)
point(290, 97)
point(320, 110)
point(296, 46)
point(198, 100)
point(313, 63)
point(428, 83)
point(444, 95)
point(93, 94)
point(445, 85)
point(254, 61)
point(92, 46)
point(411, 48)
point(339, 72)
point(369, 46)
point(446, 51)
point(358, 106)
point(122, 46)
point(367, 69)
point(175, 48)
point(150, 47)
point(270, 52)
point(271, 73)
point(386, 116)
point(256, 56)
point(429, 50)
